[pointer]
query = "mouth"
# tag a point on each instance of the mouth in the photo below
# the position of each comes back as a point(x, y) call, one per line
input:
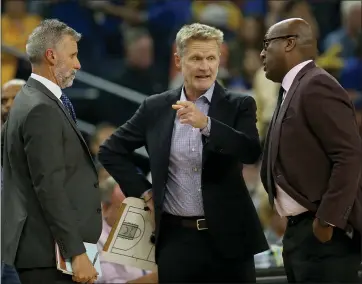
point(264, 64)
point(203, 77)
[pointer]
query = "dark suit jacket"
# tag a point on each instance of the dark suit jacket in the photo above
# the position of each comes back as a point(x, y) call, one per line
point(316, 149)
point(229, 211)
point(50, 182)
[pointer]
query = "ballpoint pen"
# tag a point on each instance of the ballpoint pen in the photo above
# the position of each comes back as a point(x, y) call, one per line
point(95, 258)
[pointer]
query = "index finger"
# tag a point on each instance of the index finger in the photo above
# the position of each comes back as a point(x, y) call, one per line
point(177, 107)
point(184, 103)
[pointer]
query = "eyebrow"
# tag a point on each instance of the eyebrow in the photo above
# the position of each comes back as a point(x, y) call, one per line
point(200, 54)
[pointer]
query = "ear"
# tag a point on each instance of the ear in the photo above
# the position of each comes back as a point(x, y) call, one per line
point(290, 44)
point(177, 61)
point(50, 56)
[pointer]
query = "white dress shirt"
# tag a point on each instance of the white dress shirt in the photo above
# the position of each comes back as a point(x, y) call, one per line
point(54, 88)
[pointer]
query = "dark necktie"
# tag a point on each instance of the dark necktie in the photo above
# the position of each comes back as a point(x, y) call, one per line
point(279, 102)
point(67, 103)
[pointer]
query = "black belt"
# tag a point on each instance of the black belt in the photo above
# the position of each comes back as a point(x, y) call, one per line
point(292, 220)
point(197, 223)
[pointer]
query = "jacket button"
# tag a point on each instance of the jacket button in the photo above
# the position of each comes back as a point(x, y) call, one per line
point(99, 210)
point(153, 238)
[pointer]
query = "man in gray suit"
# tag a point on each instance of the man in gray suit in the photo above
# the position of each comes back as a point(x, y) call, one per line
point(50, 183)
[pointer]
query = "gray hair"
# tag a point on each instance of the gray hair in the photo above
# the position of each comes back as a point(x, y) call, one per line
point(199, 32)
point(47, 35)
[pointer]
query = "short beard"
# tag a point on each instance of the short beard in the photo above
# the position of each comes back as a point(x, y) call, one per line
point(63, 80)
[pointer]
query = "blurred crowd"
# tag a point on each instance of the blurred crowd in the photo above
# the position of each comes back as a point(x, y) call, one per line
point(131, 43)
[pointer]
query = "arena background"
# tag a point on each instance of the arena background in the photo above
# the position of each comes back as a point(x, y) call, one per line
point(126, 55)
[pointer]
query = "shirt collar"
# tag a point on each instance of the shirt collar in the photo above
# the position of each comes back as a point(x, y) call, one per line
point(290, 76)
point(54, 88)
point(207, 94)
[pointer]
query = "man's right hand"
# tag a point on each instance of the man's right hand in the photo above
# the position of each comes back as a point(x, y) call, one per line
point(83, 270)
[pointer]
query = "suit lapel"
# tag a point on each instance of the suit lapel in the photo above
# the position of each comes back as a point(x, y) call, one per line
point(218, 107)
point(266, 151)
point(70, 119)
point(219, 110)
point(72, 123)
point(266, 162)
point(165, 129)
point(39, 86)
point(278, 122)
point(275, 134)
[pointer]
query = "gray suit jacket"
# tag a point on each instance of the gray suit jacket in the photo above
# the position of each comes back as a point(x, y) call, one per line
point(50, 183)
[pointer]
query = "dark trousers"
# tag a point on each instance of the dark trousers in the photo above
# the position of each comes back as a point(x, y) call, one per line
point(9, 275)
point(43, 276)
point(307, 260)
point(187, 255)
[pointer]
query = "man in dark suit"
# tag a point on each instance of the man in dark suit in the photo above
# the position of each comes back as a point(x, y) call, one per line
point(50, 190)
point(312, 160)
point(9, 91)
point(206, 227)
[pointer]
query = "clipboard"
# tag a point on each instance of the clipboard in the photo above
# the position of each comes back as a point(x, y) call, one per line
point(129, 242)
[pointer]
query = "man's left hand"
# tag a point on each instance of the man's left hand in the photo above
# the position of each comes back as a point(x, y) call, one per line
point(322, 232)
point(188, 113)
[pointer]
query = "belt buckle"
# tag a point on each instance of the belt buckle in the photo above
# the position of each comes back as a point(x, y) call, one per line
point(198, 224)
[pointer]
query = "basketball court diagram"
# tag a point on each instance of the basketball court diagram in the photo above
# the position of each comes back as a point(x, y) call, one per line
point(129, 242)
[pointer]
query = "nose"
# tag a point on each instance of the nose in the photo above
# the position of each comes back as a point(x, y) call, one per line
point(262, 54)
point(77, 65)
point(203, 65)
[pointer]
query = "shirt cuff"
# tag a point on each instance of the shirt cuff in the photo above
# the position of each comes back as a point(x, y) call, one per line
point(206, 130)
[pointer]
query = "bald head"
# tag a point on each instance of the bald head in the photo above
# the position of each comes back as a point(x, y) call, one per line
point(8, 93)
point(306, 42)
point(12, 83)
point(286, 44)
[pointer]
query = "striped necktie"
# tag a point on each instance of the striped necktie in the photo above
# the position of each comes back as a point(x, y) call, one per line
point(67, 103)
